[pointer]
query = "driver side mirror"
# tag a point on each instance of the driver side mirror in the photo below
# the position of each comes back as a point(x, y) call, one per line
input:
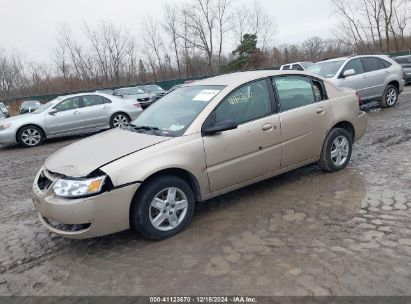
point(348, 73)
point(220, 126)
point(53, 111)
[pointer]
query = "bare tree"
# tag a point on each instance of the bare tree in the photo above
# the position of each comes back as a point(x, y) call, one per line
point(171, 27)
point(154, 41)
point(262, 25)
point(199, 19)
point(372, 25)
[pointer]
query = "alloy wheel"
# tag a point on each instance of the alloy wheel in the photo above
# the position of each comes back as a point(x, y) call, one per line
point(391, 97)
point(120, 121)
point(339, 150)
point(31, 137)
point(168, 209)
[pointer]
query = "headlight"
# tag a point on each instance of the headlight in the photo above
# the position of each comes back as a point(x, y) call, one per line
point(5, 127)
point(78, 188)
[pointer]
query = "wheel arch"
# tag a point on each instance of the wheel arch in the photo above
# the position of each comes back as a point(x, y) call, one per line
point(178, 172)
point(345, 125)
point(28, 125)
point(394, 83)
point(119, 112)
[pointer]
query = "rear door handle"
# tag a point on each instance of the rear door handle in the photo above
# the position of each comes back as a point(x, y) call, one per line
point(320, 110)
point(365, 76)
point(76, 112)
point(105, 107)
point(268, 127)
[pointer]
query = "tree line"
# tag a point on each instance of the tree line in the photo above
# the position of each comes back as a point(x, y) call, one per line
point(196, 38)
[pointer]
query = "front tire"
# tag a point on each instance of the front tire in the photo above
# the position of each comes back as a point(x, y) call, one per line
point(163, 207)
point(30, 136)
point(119, 120)
point(390, 96)
point(337, 149)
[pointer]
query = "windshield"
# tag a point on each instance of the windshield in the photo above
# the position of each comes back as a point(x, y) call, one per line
point(174, 113)
point(154, 88)
point(132, 91)
point(326, 69)
point(46, 106)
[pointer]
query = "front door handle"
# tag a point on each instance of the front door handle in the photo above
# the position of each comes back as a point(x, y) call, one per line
point(320, 110)
point(76, 112)
point(365, 76)
point(268, 127)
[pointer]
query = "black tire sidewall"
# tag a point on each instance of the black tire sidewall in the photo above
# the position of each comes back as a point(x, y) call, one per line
point(384, 97)
point(20, 132)
point(141, 206)
point(328, 146)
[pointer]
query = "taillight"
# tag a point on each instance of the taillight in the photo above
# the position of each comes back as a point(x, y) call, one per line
point(137, 105)
point(359, 99)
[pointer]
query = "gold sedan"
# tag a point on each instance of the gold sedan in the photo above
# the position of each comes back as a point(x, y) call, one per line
point(197, 142)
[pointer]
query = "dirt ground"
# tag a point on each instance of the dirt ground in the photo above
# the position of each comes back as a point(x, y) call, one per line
point(303, 233)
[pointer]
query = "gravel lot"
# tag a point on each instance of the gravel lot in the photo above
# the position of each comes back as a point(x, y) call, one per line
point(303, 233)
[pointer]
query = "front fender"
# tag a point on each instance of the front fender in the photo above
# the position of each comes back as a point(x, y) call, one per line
point(185, 152)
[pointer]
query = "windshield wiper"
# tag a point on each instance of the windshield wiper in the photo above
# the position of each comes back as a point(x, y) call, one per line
point(146, 128)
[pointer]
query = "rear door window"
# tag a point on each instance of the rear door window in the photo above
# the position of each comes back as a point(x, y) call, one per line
point(94, 100)
point(294, 92)
point(372, 64)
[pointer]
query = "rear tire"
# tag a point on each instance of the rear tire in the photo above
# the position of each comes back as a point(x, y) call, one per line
point(337, 149)
point(119, 120)
point(163, 207)
point(390, 96)
point(30, 136)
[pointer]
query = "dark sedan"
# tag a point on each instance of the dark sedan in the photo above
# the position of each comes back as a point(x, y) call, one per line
point(155, 91)
point(29, 106)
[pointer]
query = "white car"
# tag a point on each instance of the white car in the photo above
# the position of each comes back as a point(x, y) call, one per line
point(297, 66)
point(68, 115)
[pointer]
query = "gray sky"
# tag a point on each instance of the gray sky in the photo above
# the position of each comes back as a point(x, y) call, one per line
point(31, 25)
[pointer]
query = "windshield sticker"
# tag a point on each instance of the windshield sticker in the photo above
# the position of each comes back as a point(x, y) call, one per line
point(240, 98)
point(176, 127)
point(206, 95)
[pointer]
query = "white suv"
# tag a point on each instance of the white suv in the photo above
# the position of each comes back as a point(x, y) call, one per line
point(375, 77)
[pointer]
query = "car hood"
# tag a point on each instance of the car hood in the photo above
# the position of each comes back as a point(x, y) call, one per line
point(85, 156)
point(32, 118)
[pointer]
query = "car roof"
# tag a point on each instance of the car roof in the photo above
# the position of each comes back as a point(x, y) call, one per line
point(235, 79)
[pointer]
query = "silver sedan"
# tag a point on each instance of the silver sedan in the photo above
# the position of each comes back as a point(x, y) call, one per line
point(68, 115)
